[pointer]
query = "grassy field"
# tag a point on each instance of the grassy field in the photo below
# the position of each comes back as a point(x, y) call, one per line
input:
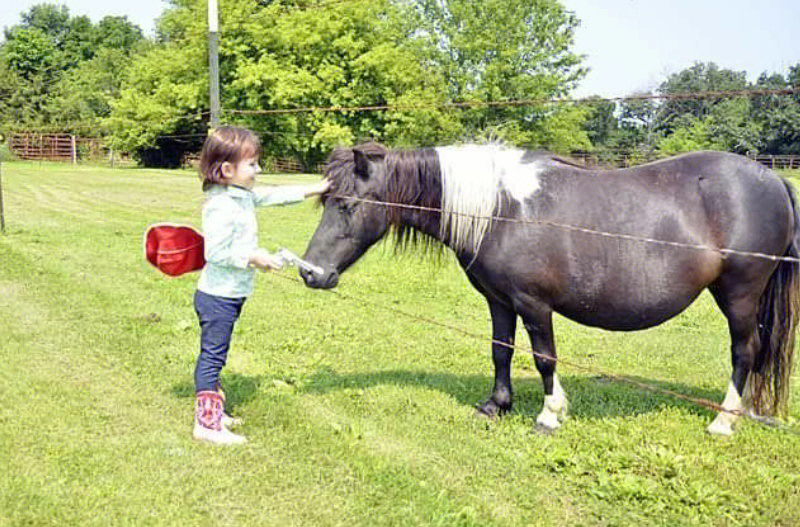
point(356, 415)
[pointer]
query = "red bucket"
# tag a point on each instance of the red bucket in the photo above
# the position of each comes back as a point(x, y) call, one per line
point(174, 249)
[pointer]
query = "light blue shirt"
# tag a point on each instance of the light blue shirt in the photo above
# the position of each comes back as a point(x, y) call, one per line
point(231, 235)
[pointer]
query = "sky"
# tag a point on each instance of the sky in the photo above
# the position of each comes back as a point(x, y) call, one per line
point(630, 45)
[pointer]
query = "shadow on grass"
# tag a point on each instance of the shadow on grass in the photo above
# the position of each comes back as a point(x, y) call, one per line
point(239, 389)
point(589, 397)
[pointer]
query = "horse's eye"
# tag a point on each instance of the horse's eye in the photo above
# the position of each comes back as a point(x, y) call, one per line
point(347, 208)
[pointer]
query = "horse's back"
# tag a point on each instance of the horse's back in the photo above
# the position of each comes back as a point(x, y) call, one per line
point(630, 248)
point(714, 198)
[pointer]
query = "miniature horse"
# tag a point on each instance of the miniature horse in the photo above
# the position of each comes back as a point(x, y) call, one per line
point(527, 228)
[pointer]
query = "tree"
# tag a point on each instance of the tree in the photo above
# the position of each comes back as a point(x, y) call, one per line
point(693, 134)
point(349, 54)
point(360, 53)
point(51, 19)
point(778, 117)
point(602, 124)
point(497, 50)
point(32, 64)
point(62, 71)
point(701, 77)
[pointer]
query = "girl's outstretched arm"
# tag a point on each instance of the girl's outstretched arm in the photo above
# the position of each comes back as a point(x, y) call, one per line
point(268, 196)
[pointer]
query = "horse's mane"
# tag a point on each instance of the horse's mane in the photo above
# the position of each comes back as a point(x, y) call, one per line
point(340, 169)
point(464, 182)
point(412, 179)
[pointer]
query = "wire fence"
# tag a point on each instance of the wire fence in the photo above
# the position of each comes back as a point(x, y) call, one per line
point(609, 158)
point(697, 401)
point(721, 94)
point(775, 161)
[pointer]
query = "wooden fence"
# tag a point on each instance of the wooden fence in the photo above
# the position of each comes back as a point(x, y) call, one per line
point(785, 161)
point(65, 147)
point(620, 159)
point(54, 147)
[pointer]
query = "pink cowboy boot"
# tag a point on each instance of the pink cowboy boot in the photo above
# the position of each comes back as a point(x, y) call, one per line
point(208, 414)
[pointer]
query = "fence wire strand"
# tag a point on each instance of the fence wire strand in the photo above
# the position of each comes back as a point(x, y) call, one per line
point(725, 252)
point(714, 94)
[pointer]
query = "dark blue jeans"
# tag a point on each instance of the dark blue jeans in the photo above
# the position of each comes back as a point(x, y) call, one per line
point(217, 317)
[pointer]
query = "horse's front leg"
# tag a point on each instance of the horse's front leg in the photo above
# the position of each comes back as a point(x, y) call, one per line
point(504, 327)
point(540, 330)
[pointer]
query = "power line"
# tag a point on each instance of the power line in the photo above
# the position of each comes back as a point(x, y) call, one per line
point(716, 94)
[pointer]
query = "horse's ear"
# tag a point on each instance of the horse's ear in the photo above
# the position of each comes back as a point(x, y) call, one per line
point(361, 163)
point(364, 155)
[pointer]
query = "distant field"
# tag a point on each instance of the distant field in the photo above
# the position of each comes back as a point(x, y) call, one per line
point(357, 416)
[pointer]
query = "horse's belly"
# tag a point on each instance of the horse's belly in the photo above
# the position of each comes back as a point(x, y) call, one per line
point(635, 288)
point(622, 314)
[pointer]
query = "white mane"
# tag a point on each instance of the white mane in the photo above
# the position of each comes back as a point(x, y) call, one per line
point(472, 178)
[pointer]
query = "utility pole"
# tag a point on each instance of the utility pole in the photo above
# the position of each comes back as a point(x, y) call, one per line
point(2, 212)
point(213, 63)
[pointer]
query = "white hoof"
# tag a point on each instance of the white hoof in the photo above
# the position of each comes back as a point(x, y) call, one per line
point(554, 411)
point(720, 427)
point(723, 424)
point(548, 420)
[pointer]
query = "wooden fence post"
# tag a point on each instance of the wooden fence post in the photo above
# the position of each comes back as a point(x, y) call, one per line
point(74, 150)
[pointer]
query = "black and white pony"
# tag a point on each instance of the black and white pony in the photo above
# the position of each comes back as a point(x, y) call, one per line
point(524, 227)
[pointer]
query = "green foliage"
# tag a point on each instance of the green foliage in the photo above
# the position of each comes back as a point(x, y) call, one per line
point(695, 134)
point(701, 77)
point(413, 57)
point(353, 54)
point(61, 72)
point(499, 50)
point(779, 117)
point(746, 125)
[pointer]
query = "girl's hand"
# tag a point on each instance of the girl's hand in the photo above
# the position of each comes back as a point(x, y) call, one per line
point(265, 261)
point(319, 188)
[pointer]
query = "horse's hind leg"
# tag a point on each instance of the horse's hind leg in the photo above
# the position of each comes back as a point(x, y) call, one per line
point(742, 312)
point(504, 328)
point(540, 330)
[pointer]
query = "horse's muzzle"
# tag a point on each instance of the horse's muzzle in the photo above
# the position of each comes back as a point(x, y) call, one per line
point(327, 280)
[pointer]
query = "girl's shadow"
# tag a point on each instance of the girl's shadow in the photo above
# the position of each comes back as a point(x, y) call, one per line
point(239, 389)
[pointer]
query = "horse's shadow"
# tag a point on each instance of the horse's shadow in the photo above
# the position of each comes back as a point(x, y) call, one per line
point(590, 397)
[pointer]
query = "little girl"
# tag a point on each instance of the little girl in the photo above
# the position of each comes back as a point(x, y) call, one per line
point(228, 168)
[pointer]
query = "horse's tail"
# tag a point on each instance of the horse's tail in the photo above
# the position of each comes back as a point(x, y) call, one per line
point(777, 321)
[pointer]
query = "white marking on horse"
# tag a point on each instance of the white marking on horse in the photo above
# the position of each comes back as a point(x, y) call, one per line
point(521, 180)
point(723, 424)
point(472, 177)
point(555, 407)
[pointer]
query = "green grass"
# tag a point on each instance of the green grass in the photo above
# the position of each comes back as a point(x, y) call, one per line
point(356, 415)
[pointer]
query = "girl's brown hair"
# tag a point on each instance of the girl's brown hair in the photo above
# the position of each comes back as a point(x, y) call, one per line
point(226, 144)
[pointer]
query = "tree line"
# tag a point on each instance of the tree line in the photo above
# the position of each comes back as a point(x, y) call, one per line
point(149, 95)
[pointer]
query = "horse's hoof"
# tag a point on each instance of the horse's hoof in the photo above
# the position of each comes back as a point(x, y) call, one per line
point(490, 410)
point(722, 426)
point(721, 432)
point(543, 430)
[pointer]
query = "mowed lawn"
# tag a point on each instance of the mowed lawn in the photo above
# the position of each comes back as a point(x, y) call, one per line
point(357, 415)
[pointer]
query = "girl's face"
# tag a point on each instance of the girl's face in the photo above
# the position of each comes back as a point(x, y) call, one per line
point(242, 174)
